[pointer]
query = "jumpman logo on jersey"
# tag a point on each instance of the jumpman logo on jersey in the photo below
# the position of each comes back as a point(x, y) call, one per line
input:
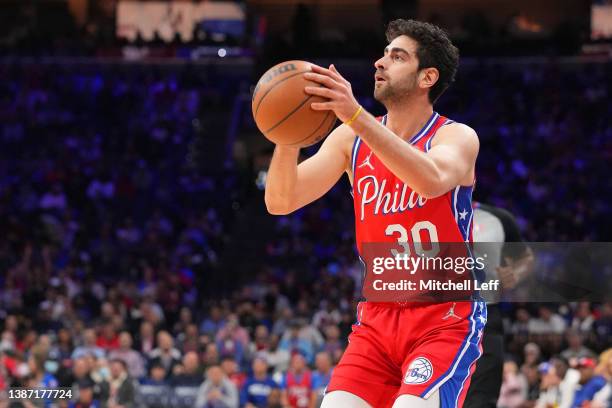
point(451, 313)
point(366, 162)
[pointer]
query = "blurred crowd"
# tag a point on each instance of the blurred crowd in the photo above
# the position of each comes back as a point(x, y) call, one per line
point(116, 212)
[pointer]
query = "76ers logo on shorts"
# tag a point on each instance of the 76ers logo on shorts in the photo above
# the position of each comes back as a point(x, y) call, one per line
point(419, 371)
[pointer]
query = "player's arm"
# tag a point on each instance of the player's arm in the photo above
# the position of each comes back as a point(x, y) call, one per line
point(290, 186)
point(448, 163)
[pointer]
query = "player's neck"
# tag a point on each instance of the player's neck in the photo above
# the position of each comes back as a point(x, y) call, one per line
point(406, 119)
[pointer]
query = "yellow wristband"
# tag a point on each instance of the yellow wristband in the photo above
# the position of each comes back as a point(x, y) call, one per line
point(351, 120)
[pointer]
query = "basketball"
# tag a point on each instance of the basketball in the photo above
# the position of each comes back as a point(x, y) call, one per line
point(281, 108)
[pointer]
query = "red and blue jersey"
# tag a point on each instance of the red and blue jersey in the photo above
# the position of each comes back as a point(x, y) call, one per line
point(389, 211)
point(298, 388)
point(399, 346)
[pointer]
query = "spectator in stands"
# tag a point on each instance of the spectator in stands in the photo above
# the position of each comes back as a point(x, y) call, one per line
point(276, 357)
point(189, 339)
point(576, 349)
point(593, 384)
point(249, 316)
point(569, 385)
point(229, 345)
point(333, 344)
point(292, 342)
point(261, 339)
point(583, 318)
point(108, 338)
point(328, 314)
point(157, 375)
point(26, 341)
point(520, 326)
point(603, 397)
point(310, 333)
point(297, 383)
point(62, 351)
point(257, 387)
point(233, 331)
point(151, 310)
point(532, 375)
point(11, 324)
point(217, 391)
point(185, 319)
point(532, 355)
point(275, 399)
point(513, 392)
point(132, 358)
point(321, 376)
point(553, 373)
point(36, 364)
point(82, 373)
point(232, 371)
point(86, 397)
point(213, 323)
point(547, 323)
point(602, 327)
point(283, 321)
point(154, 389)
point(123, 388)
point(165, 353)
point(107, 311)
point(146, 338)
point(211, 355)
point(586, 369)
point(89, 346)
point(190, 373)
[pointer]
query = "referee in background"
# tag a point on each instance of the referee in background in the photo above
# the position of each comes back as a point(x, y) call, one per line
point(497, 234)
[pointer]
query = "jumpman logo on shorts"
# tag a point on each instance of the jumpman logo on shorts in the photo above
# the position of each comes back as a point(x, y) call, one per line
point(451, 313)
point(366, 162)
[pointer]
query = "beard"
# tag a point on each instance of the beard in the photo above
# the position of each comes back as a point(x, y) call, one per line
point(391, 92)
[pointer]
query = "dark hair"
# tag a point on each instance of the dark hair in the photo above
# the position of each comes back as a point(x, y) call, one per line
point(121, 362)
point(434, 50)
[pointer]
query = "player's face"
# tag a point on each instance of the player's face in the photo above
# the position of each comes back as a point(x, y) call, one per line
point(396, 71)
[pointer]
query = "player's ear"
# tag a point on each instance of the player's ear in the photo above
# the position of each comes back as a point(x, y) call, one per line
point(428, 77)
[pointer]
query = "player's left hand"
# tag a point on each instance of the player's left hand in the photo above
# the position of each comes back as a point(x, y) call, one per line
point(333, 87)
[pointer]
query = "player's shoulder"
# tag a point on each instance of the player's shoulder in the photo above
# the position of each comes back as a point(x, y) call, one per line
point(456, 131)
point(457, 128)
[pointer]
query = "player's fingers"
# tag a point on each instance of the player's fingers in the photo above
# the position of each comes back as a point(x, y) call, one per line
point(321, 106)
point(328, 72)
point(321, 79)
point(320, 70)
point(320, 91)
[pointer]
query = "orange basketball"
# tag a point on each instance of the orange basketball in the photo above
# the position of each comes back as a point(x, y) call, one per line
point(281, 108)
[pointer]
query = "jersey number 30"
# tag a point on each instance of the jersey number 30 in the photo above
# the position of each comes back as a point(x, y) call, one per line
point(415, 235)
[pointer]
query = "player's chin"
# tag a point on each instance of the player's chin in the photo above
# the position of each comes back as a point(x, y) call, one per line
point(379, 95)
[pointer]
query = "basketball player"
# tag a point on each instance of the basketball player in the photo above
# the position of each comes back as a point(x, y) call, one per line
point(399, 355)
point(493, 227)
